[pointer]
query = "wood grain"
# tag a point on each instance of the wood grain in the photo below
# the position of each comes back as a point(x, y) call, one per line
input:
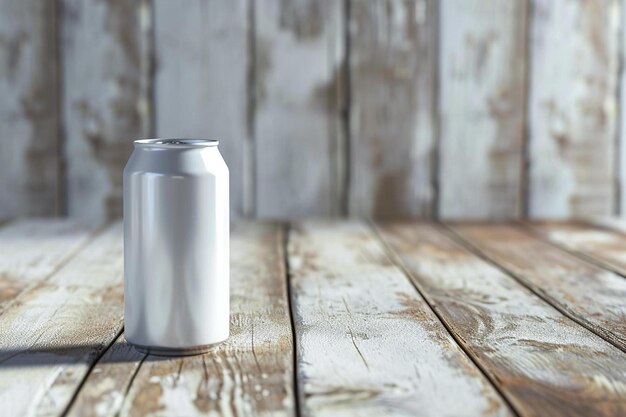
point(56, 330)
point(29, 123)
point(104, 389)
point(251, 373)
point(34, 249)
point(543, 362)
point(591, 295)
point(367, 343)
point(482, 107)
point(299, 58)
point(572, 102)
point(598, 244)
point(201, 85)
point(393, 61)
point(105, 99)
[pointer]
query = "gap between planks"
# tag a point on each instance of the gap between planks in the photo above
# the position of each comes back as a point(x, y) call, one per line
point(395, 258)
point(285, 234)
point(531, 229)
point(554, 303)
point(542, 359)
point(134, 379)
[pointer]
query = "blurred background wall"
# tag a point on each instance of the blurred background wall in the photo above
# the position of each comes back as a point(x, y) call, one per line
point(369, 108)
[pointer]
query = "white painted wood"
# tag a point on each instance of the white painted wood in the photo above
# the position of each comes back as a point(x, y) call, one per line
point(620, 150)
point(617, 223)
point(482, 88)
point(599, 244)
point(367, 343)
point(393, 61)
point(29, 163)
point(590, 295)
point(105, 99)
point(572, 102)
point(34, 249)
point(201, 79)
point(251, 373)
point(299, 53)
point(50, 338)
point(104, 389)
point(544, 363)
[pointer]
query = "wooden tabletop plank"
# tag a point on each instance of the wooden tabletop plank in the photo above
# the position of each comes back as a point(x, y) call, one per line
point(55, 331)
point(367, 343)
point(598, 244)
point(543, 362)
point(34, 249)
point(250, 374)
point(592, 296)
point(104, 389)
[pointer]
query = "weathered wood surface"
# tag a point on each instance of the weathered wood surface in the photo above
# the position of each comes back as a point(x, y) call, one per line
point(592, 296)
point(251, 374)
point(32, 250)
point(572, 107)
point(201, 80)
point(482, 107)
point(393, 61)
point(367, 343)
point(543, 362)
point(298, 75)
point(106, 102)
point(56, 330)
point(595, 243)
point(108, 381)
point(371, 108)
point(29, 123)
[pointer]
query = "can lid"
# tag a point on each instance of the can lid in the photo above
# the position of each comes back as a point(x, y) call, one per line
point(178, 143)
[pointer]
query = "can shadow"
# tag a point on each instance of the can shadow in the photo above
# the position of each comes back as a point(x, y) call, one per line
point(75, 354)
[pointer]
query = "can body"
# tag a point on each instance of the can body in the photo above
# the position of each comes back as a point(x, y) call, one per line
point(176, 246)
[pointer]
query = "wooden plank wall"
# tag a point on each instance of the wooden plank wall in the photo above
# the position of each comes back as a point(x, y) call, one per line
point(365, 108)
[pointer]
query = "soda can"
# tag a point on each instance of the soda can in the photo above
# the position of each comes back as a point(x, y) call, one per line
point(176, 246)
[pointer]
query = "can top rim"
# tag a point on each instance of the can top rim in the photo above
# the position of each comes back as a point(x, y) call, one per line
point(176, 143)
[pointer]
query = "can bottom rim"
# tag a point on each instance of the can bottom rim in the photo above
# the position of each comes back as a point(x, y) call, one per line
point(168, 351)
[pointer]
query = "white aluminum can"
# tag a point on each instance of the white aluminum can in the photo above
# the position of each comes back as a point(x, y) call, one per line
point(176, 246)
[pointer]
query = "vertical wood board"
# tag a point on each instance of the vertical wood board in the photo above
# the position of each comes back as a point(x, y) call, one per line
point(105, 99)
point(482, 107)
point(393, 63)
point(299, 58)
point(200, 83)
point(29, 123)
point(572, 107)
point(367, 343)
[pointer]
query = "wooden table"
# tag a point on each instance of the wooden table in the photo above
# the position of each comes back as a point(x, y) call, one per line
point(330, 318)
